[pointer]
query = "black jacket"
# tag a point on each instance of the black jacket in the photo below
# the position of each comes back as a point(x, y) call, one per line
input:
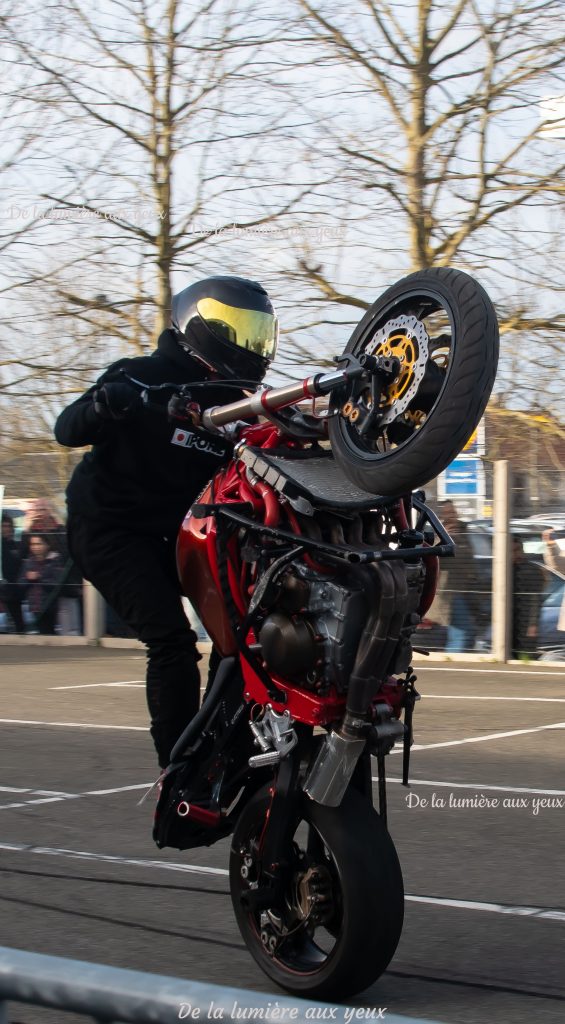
point(10, 560)
point(145, 472)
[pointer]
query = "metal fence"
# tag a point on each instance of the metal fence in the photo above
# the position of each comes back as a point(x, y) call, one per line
point(502, 596)
point(116, 996)
point(42, 592)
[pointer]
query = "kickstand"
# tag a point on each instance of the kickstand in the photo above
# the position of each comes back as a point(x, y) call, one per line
point(382, 787)
point(410, 697)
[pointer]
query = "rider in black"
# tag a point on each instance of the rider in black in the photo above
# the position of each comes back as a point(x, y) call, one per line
point(129, 494)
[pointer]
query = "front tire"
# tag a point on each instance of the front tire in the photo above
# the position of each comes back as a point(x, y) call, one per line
point(443, 325)
point(344, 866)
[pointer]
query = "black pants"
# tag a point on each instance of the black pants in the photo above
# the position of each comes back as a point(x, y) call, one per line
point(136, 574)
point(11, 598)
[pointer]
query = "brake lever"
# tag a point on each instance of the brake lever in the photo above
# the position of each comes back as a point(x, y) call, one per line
point(181, 409)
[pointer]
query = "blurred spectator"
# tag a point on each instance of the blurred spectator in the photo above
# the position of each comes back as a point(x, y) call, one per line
point(40, 577)
point(41, 519)
point(461, 595)
point(527, 588)
point(10, 591)
point(554, 558)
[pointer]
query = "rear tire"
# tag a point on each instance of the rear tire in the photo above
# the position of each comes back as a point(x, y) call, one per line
point(367, 912)
point(455, 413)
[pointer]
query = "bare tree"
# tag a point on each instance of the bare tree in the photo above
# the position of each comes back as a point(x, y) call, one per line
point(154, 163)
point(170, 129)
point(444, 156)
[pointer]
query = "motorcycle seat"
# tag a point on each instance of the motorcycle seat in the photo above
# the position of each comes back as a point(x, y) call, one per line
point(310, 479)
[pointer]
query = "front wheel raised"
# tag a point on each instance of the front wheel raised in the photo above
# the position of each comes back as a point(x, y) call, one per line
point(338, 923)
point(440, 327)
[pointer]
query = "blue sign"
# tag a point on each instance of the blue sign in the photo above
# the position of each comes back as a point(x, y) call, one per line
point(462, 476)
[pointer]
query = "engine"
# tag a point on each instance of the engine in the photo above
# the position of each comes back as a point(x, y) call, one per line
point(313, 635)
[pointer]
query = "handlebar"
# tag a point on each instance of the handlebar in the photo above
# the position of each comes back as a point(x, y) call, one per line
point(267, 400)
point(272, 399)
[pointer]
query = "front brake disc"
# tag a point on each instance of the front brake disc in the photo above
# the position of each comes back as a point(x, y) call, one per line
point(406, 338)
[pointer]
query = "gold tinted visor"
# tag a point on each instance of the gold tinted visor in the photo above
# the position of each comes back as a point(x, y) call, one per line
point(247, 328)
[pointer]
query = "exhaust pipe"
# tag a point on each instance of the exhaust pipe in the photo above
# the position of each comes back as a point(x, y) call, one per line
point(331, 772)
point(341, 749)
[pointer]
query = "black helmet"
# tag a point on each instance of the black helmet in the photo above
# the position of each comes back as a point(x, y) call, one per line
point(228, 323)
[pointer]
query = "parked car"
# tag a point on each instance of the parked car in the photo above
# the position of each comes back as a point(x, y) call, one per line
point(529, 531)
point(550, 638)
point(432, 634)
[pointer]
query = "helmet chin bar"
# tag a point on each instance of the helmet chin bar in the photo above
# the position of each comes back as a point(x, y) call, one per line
point(196, 355)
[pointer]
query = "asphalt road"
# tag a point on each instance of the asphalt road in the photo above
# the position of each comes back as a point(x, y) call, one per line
point(484, 936)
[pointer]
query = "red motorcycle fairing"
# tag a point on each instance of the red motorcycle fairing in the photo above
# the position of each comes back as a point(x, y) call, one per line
point(307, 707)
point(302, 705)
point(198, 571)
point(197, 559)
point(199, 578)
point(197, 552)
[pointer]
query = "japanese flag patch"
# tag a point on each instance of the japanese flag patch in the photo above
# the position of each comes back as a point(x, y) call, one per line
point(181, 437)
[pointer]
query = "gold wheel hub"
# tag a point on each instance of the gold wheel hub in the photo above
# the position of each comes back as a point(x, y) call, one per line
point(404, 337)
point(405, 349)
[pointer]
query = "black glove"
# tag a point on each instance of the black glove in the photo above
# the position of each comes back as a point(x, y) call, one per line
point(117, 402)
point(180, 407)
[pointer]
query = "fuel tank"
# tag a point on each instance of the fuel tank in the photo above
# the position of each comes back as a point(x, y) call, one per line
point(198, 572)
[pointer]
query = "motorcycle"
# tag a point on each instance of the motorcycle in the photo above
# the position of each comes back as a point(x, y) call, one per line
point(310, 558)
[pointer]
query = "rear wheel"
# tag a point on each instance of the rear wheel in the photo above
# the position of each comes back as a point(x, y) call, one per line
point(441, 326)
point(340, 918)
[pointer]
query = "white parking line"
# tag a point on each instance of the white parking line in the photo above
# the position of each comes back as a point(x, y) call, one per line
point(46, 796)
point(106, 858)
point(56, 797)
point(92, 686)
point(478, 787)
point(50, 799)
point(543, 913)
point(73, 725)
point(491, 671)
point(35, 792)
point(493, 908)
point(456, 696)
point(481, 739)
point(120, 789)
point(30, 803)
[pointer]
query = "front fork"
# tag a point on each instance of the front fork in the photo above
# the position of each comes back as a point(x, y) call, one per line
point(274, 843)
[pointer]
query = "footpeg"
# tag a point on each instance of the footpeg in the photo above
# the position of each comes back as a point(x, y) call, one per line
point(266, 759)
point(274, 733)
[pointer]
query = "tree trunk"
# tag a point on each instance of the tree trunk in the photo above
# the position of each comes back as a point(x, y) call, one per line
point(421, 255)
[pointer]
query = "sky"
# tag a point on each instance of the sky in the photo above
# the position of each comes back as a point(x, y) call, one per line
point(295, 118)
